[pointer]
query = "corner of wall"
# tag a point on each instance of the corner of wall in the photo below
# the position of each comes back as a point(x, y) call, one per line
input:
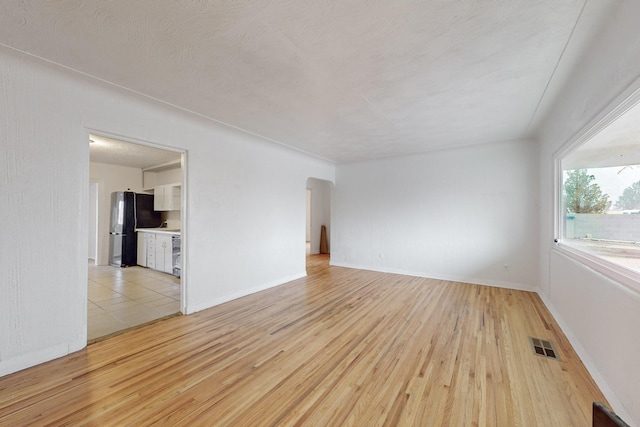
point(194, 308)
point(587, 361)
point(25, 361)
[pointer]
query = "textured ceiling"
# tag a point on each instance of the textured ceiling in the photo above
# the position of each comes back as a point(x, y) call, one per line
point(346, 80)
point(111, 151)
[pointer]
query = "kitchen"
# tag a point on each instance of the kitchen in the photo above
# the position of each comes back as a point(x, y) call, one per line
point(135, 230)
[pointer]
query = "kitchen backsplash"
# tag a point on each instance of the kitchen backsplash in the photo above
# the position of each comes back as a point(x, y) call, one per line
point(173, 219)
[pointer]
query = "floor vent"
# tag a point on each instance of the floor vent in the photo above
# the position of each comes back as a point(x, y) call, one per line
point(543, 348)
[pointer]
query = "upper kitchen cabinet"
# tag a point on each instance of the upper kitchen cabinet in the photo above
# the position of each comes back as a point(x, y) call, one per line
point(162, 174)
point(165, 181)
point(167, 197)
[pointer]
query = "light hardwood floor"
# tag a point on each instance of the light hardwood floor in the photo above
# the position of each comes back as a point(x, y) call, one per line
point(340, 347)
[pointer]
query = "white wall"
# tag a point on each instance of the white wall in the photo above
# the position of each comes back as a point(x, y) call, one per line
point(583, 300)
point(111, 178)
point(173, 219)
point(93, 221)
point(594, 310)
point(321, 193)
point(458, 215)
point(245, 223)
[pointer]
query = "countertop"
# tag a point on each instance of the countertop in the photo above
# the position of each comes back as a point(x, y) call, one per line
point(172, 231)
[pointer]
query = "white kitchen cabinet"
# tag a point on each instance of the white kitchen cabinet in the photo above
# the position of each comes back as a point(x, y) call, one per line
point(164, 253)
point(151, 250)
point(155, 250)
point(167, 197)
point(142, 248)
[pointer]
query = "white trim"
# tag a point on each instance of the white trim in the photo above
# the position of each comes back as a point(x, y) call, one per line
point(190, 309)
point(622, 103)
point(29, 360)
point(130, 140)
point(629, 279)
point(613, 400)
point(558, 223)
point(184, 232)
point(459, 279)
point(171, 164)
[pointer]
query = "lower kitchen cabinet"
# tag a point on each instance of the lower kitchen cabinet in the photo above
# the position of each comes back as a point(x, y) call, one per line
point(155, 251)
point(143, 239)
point(164, 253)
point(151, 250)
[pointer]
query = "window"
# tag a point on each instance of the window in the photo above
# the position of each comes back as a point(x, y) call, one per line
point(599, 195)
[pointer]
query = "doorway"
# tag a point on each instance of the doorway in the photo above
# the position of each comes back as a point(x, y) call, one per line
point(126, 295)
point(93, 222)
point(318, 220)
point(308, 223)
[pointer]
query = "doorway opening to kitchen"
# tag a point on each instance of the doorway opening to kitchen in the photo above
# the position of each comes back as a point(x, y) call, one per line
point(135, 245)
point(318, 222)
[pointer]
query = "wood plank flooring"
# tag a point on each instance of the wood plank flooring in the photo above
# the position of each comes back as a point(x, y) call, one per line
point(342, 347)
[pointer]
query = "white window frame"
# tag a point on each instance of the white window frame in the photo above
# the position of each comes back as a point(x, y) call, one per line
point(623, 103)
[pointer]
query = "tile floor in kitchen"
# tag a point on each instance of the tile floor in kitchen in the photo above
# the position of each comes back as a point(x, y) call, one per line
point(121, 298)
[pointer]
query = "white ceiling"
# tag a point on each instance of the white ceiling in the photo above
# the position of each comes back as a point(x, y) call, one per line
point(346, 80)
point(615, 145)
point(115, 152)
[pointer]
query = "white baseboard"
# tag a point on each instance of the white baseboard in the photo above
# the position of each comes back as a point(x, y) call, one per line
point(615, 403)
point(462, 279)
point(193, 308)
point(25, 361)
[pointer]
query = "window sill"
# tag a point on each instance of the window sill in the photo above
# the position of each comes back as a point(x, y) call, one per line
point(628, 278)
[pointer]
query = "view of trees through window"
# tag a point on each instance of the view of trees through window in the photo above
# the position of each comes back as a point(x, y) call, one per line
point(600, 209)
point(602, 212)
point(583, 194)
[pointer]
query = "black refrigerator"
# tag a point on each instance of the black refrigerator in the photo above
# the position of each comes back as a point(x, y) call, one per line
point(129, 211)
